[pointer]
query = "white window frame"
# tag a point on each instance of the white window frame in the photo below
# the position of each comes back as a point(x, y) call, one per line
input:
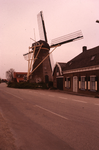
point(67, 82)
point(83, 83)
point(93, 83)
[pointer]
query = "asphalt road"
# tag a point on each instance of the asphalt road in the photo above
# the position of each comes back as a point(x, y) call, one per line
point(50, 120)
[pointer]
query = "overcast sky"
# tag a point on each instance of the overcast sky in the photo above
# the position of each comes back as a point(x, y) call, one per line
point(18, 21)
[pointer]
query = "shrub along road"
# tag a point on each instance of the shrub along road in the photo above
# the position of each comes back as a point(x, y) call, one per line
point(47, 120)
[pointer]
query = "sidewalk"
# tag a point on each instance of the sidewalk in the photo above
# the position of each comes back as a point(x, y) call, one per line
point(74, 93)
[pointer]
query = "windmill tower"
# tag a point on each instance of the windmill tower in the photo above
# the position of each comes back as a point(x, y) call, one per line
point(39, 64)
point(43, 73)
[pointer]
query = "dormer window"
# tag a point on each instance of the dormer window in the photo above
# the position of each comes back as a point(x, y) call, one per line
point(93, 57)
point(70, 63)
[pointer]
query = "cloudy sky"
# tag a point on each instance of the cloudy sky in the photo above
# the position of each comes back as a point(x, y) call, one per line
point(18, 23)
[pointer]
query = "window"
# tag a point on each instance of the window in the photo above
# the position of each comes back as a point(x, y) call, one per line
point(82, 83)
point(18, 76)
point(93, 57)
point(67, 82)
point(70, 63)
point(25, 77)
point(57, 73)
point(45, 67)
point(92, 83)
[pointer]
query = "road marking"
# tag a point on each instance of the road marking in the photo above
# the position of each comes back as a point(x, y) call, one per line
point(51, 95)
point(96, 104)
point(63, 97)
point(14, 95)
point(78, 101)
point(51, 112)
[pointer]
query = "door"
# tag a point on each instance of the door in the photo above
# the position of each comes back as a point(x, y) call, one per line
point(60, 83)
point(46, 78)
point(75, 85)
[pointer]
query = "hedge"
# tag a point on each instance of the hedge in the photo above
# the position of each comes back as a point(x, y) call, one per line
point(27, 85)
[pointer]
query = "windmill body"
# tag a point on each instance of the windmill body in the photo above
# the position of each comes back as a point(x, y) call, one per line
point(43, 73)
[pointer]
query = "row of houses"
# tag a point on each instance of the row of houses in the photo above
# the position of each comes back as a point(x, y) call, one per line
point(80, 75)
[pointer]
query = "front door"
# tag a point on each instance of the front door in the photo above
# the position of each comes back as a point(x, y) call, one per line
point(46, 78)
point(60, 83)
point(75, 85)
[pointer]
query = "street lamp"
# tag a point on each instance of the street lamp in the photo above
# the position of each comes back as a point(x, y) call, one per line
point(97, 21)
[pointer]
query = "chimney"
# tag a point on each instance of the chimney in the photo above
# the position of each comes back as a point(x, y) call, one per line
point(84, 48)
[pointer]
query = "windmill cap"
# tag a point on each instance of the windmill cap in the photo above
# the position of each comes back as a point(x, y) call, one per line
point(41, 42)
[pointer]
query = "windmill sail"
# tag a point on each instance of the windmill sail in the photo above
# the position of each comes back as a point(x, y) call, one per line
point(41, 25)
point(66, 38)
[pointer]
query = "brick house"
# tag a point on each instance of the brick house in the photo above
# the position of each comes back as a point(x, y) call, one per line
point(20, 76)
point(58, 75)
point(81, 74)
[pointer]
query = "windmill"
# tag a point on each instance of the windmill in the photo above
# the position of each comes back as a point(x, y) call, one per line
point(39, 65)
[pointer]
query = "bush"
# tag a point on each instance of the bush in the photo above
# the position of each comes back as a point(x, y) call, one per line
point(53, 88)
point(50, 84)
point(27, 85)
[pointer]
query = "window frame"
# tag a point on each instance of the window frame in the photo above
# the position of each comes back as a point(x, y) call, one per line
point(83, 82)
point(67, 82)
point(92, 82)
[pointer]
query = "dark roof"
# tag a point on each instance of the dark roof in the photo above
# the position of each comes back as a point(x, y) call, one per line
point(45, 45)
point(85, 59)
point(63, 65)
point(60, 66)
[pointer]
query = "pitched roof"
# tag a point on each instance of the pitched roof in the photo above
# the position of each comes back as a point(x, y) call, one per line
point(85, 59)
point(20, 73)
point(63, 65)
point(60, 65)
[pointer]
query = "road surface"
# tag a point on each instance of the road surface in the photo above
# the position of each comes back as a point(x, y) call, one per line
point(47, 120)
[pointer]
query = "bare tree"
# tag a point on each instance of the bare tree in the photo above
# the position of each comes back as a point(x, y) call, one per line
point(9, 74)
